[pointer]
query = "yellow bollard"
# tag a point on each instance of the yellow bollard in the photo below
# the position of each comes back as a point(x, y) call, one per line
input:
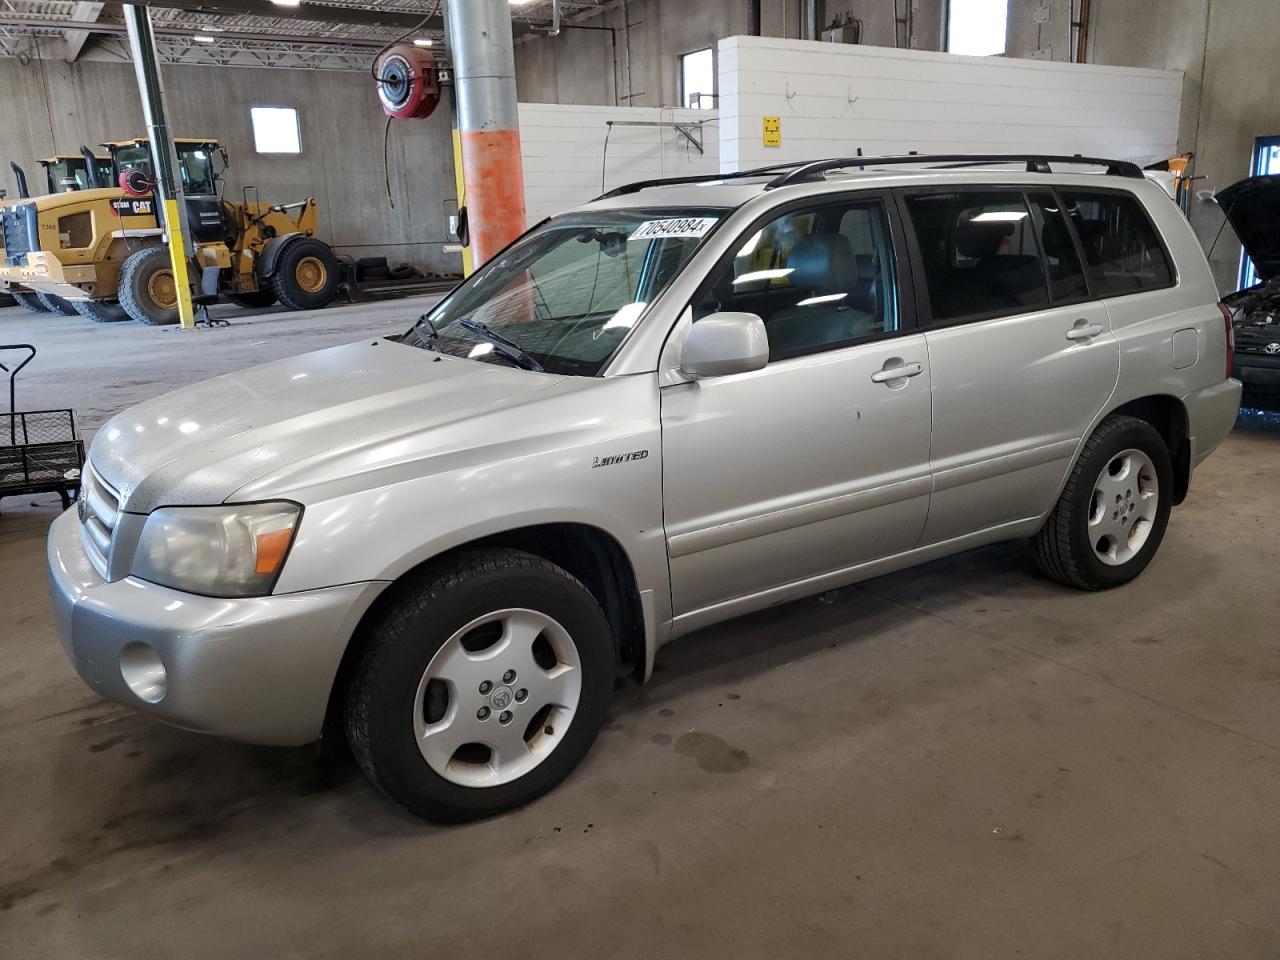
point(178, 258)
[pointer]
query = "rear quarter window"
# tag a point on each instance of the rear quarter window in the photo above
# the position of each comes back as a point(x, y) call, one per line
point(1123, 252)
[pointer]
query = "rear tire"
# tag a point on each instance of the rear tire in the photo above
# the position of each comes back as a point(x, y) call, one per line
point(253, 300)
point(1114, 510)
point(29, 301)
point(306, 274)
point(101, 311)
point(57, 305)
point(502, 657)
point(147, 289)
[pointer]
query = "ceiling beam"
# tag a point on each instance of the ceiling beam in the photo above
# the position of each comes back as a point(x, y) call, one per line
point(118, 29)
point(75, 39)
point(317, 12)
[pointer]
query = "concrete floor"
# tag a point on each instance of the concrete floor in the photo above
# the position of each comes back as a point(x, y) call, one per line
point(961, 761)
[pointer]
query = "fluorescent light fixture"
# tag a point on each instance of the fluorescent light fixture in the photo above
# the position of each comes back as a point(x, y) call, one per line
point(1000, 216)
point(287, 3)
point(424, 42)
point(202, 38)
point(774, 274)
point(825, 298)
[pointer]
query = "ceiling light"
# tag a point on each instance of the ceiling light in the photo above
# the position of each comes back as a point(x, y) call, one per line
point(287, 3)
point(521, 3)
point(202, 38)
point(423, 42)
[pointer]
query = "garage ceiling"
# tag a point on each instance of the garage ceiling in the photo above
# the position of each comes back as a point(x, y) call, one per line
point(327, 34)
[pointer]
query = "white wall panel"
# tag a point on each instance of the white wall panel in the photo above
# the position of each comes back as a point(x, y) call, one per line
point(833, 99)
point(565, 162)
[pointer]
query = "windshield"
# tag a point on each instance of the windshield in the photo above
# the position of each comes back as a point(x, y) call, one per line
point(567, 293)
point(194, 164)
point(67, 175)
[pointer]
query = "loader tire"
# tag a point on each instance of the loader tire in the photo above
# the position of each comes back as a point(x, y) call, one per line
point(60, 306)
point(147, 289)
point(101, 311)
point(306, 274)
point(254, 300)
point(29, 301)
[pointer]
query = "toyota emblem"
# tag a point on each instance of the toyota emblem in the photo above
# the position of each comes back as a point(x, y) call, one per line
point(1272, 348)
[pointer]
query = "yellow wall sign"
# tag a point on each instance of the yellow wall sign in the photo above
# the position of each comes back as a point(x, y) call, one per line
point(773, 131)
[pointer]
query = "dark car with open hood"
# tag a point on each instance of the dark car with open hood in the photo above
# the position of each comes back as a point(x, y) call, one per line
point(1252, 207)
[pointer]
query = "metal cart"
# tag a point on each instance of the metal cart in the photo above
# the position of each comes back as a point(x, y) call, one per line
point(39, 449)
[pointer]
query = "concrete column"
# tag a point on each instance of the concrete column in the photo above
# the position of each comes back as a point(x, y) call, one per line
point(488, 124)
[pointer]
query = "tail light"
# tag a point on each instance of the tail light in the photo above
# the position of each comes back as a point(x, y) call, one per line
point(1231, 337)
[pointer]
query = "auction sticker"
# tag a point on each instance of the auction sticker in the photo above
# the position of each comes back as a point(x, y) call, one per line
point(679, 227)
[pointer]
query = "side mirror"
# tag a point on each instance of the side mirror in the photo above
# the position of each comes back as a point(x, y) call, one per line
point(724, 344)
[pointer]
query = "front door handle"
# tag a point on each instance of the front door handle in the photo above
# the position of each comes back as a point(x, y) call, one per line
point(899, 372)
point(1084, 330)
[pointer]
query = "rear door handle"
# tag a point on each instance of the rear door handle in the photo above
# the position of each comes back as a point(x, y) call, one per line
point(901, 372)
point(1083, 330)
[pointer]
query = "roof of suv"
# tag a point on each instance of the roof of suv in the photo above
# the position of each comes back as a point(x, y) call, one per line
point(731, 190)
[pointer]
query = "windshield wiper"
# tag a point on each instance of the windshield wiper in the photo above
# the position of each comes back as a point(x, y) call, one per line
point(429, 338)
point(502, 345)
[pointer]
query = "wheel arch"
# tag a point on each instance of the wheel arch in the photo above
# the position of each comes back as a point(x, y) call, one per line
point(271, 252)
point(1168, 415)
point(592, 555)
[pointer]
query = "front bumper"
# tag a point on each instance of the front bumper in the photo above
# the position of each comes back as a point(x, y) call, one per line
point(259, 669)
point(1259, 372)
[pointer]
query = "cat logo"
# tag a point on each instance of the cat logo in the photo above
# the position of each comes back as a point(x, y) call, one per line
point(134, 208)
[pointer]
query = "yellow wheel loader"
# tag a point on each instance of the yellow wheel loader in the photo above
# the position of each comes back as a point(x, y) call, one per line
point(63, 172)
point(103, 250)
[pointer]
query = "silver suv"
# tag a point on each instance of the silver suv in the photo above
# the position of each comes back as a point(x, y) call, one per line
point(679, 403)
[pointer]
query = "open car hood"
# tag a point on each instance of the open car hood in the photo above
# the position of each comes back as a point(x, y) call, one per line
point(1252, 207)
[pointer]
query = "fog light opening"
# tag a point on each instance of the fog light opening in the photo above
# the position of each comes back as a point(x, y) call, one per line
point(142, 670)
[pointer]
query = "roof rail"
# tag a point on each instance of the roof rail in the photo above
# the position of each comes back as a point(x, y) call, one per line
point(1036, 163)
point(700, 178)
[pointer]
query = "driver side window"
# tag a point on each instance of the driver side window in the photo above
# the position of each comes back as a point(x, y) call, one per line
point(820, 278)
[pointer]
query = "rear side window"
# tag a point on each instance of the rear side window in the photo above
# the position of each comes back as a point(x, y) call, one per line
point(1122, 251)
point(1066, 276)
point(981, 257)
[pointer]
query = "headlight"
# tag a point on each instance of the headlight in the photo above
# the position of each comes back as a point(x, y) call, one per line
point(227, 551)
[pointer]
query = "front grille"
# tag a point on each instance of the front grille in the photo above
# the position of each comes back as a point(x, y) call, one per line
point(100, 509)
point(17, 222)
point(1257, 338)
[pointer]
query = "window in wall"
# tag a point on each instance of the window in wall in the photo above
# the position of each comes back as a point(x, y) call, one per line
point(819, 279)
point(1266, 162)
point(980, 254)
point(275, 130)
point(1122, 251)
point(698, 80)
point(977, 28)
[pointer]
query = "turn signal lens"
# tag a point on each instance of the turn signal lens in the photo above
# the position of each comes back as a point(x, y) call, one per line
point(271, 550)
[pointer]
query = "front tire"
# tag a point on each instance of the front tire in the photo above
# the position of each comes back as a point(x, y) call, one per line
point(306, 274)
point(101, 311)
point(147, 289)
point(60, 306)
point(1114, 510)
point(482, 687)
point(29, 301)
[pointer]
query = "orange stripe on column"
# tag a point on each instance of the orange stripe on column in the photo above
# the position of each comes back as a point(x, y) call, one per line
point(495, 190)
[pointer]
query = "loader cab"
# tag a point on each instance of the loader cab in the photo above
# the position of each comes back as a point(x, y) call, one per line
point(66, 172)
point(201, 163)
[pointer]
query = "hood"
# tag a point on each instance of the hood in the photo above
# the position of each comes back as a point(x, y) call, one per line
point(1252, 207)
point(75, 198)
point(306, 420)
